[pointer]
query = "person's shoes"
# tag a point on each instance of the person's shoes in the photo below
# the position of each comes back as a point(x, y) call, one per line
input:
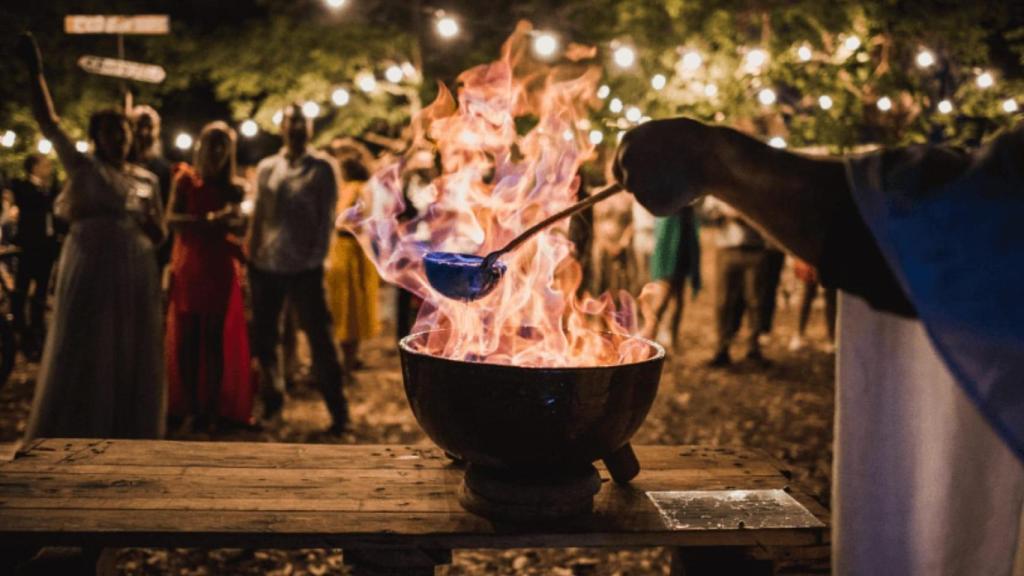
point(720, 360)
point(758, 358)
point(796, 343)
point(272, 409)
point(336, 430)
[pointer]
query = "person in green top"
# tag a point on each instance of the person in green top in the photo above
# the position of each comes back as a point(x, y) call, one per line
point(676, 258)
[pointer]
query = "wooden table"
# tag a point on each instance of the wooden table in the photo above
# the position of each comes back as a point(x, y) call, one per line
point(393, 509)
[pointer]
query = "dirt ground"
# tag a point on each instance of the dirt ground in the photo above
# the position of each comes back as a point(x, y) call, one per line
point(784, 409)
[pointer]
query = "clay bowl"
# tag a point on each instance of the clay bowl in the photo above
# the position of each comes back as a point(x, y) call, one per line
point(531, 421)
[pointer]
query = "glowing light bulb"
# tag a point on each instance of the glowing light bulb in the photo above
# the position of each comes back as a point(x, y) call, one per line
point(335, 4)
point(615, 106)
point(409, 70)
point(545, 44)
point(619, 135)
point(603, 91)
point(249, 128)
point(82, 146)
point(183, 141)
point(44, 146)
point(310, 109)
point(985, 80)
point(777, 142)
point(8, 139)
point(804, 53)
point(366, 82)
point(852, 43)
point(624, 56)
point(394, 74)
point(692, 60)
point(568, 136)
point(945, 107)
point(884, 104)
point(596, 137)
point(925, 59)
point(447, 27)
point(633, 114)
point(755, 59)
point(340, 97)
point(1010, 106)
point(658, 81)
point(825, 102)
point(766, 97)
point(710, 90)
point(277, 118)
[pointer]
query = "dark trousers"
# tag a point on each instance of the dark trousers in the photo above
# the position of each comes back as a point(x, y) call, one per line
point(810, 293)
point(738, 273)
point(33, 267)
point(768, 286)
point(305, 292)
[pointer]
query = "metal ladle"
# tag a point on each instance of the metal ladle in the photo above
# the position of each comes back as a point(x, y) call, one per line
point(468, 277)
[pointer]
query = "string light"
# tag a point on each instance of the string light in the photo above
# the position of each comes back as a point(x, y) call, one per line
point(777, 142)
point(633, 114)
point(44, 146)
point(409, 70)
point(82, 146)
point(183, 141)
point(624, 56)
point(884, 104)
point(710, 90)
point(8, 139)
point(310, 109)
point(335, 4)
point(985, 80)
point(249, 128)
point(340, 97)
point(366, 82)
point(925, 59)
point(394, 74)
point(596, 137)
point(568, 136)
point(692, 60)
point(603, 91)
point(658, 81)
point(825, 102)
point(619, 135)
point(447, 27)
point(1010, 106)
point(852, 42)
point(804, 53)
point(755, 59)
point(615, 106)
point(277, 118)
point(945, 107)
point(766, 96)
point(545, 45)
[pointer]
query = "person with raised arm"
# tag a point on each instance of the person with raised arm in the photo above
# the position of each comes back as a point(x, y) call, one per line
point(925, 243)
point(101, 374)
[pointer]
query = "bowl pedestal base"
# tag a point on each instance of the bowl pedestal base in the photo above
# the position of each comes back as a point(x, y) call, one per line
point(505, 496)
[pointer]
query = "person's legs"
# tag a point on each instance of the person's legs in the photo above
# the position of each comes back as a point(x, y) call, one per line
point(350, 356)
point(22, 280)
point(189, 342)
point(307, 295)
point(659, 303)
point(677, 293)
point(728, 298)
point(830, 313)
point(213, 344)
point(268, 292)
point(753, 293)
point(37, 305)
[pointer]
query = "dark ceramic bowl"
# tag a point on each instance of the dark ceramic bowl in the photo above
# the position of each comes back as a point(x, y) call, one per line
point(529, 421)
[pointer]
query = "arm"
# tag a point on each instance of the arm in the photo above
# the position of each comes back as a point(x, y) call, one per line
point(42, 105)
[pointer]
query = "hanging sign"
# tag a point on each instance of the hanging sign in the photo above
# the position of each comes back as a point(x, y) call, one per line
point(111, 24)
point(122, 69)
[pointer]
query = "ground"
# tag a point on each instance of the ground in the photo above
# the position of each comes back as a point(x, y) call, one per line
point(784, 409)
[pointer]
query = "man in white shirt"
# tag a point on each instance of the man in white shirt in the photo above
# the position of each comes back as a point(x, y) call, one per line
point(927, 245)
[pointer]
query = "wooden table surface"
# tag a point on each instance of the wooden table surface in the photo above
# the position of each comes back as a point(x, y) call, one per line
point(221, 494)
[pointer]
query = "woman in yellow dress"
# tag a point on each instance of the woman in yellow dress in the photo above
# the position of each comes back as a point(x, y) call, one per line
point(350, 277)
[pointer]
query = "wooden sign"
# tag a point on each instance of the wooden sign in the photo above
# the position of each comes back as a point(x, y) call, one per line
point(110, 24)
point(122, 69)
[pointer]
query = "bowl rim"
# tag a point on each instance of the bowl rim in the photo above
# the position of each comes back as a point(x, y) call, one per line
point(658, 356)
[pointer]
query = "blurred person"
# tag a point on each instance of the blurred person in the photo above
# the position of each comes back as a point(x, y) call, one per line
point(207, 347)
point(644, 242)
point(581, 234)
point(738, 292)
point(292, 225)
point(350, 277)
point(37, 237)
point(676, 258)
point(147, 152)
point(768, 279)
point(615, 262)
point(418, 174)
point(808, 278)
point(925, 243)
point(101, 374)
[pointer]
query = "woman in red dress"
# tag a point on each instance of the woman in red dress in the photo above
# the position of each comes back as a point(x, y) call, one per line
point(207, 347)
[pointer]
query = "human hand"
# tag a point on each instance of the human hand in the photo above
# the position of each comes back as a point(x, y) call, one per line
point(28, 52)
point(668, 164)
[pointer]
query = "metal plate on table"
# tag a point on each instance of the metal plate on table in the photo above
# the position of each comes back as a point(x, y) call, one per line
point(731, 509)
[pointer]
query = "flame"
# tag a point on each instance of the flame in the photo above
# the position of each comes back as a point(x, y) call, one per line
point(495, 183)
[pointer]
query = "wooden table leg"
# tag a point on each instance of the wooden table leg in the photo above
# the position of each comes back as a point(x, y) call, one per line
point(395, 561)
point(722, 560)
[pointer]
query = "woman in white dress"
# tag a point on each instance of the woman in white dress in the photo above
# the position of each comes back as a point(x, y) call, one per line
point(102, 372)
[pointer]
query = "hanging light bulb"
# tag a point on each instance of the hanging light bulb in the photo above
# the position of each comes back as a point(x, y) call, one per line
point(545, 45)
point(945, 107)
point(804, 53)
point(44, 146)
point(183, 141)
point(447, 27)
point(777, 142)
point(310, 109)
point(692, 60)
point(925, 59)
point(766, 96)
point(615, 106)
point(633, 114)
point(852, 42)
point(277, 117)
point(1010, 106)
point(884, 104)
point(596, 137)
point(334, 4)
point(603, 91)
point(624, 56)
point(366, 82)
point(394, 74)
point(82, 146)
point(710, 90)
point(658, 81)
point(249, 128)
point(825, 102)
point(985, 80)
point(8, 139)
point(340, 97)
point(755, 59)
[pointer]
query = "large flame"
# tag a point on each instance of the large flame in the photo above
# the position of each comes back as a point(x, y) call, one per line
point(495, 183)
